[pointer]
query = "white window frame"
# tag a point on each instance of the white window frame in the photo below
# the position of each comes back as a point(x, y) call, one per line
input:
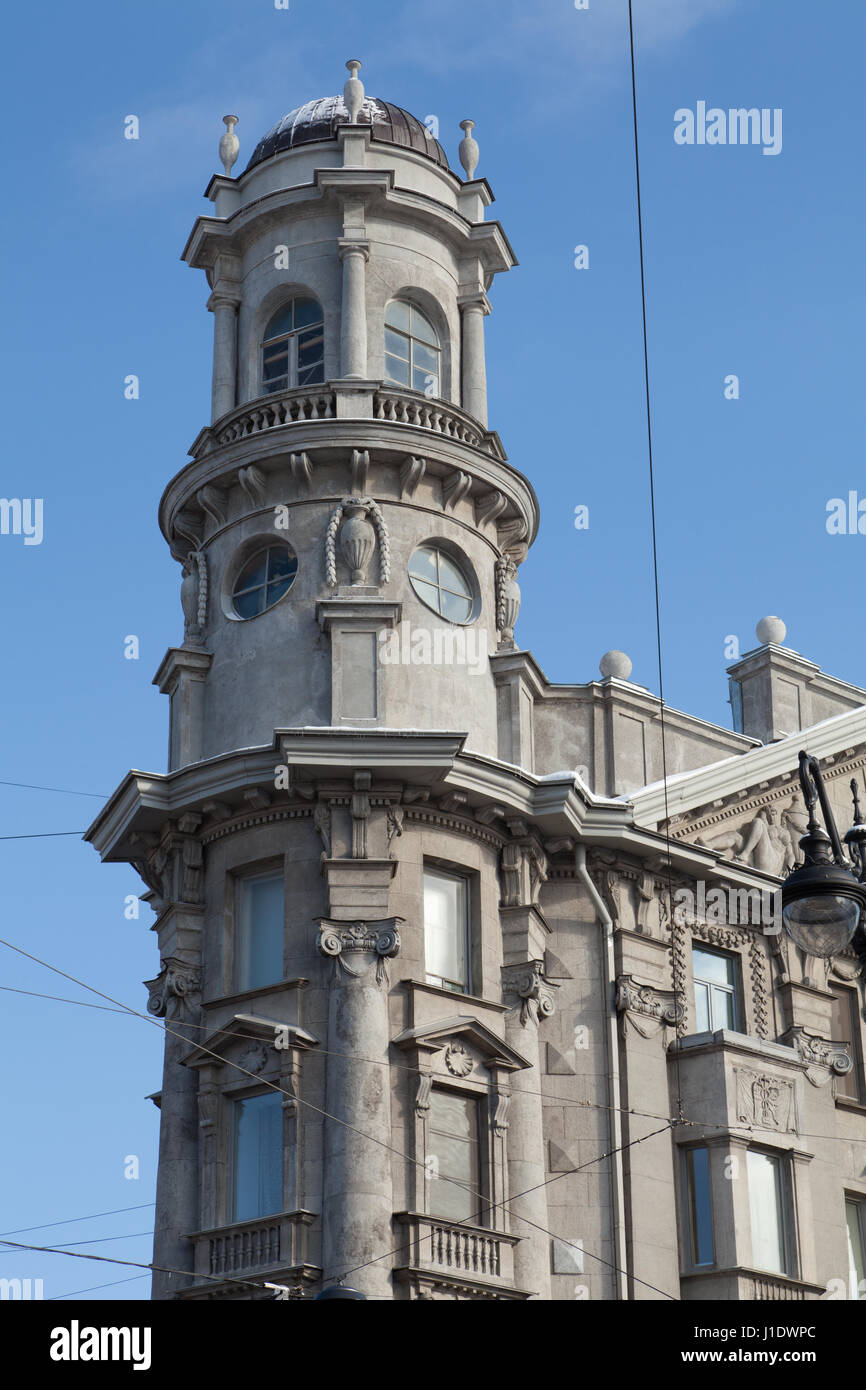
point(733, 991)
point(440, 871)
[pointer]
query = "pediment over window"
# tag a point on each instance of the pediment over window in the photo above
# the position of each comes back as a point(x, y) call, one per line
point(461, 1036)
point(253, 1036)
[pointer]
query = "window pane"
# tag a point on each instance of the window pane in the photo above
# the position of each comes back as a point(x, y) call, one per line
point(397, 315)
point(709, 966)
point(280, 323)
point(428, 593)
point(310, 346)
point(698, 1163)
point(425, 357)
point(450, 577)
point(258, 1182)
point(260, 953)
point(445, 928)
point(396, 370)
point(307, 311)
point(843, 1024)
point(421, 327)
point(280, 563)
point(250, 604)
point(765, 1204)
point(425, 381)
point(454, 608)
point(724, 1014)
point(395, 343)
point(309, 376)
point(423, 564)
point(277, 383)
point(856, 1268)
point(253, 572)
point(452, 1152)
point(702, 1008)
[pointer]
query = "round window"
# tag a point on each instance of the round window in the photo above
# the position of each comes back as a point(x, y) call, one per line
point(266, 576)
point(441, 584)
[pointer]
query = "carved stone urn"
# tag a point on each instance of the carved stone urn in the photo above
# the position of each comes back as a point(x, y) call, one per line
point(229, 144)
point(509, 600)
point(357, 542)
point(468, 151)
point(353, 91)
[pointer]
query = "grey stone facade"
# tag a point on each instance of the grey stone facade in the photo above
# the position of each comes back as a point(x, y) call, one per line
point(348, 737)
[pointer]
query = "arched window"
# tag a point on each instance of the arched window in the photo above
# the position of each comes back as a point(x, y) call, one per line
point(293, 349)
point(412, 350)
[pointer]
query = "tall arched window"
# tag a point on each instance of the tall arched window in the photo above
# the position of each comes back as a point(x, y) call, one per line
point(412, 349)
point(293, 349)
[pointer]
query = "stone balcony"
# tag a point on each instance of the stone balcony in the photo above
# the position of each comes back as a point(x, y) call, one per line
point(266, 1247)
point(451, 1259)
point(747, 1286)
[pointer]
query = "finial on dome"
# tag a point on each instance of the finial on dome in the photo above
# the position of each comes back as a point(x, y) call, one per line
point(353, 92)
point(771, 632)
point(229, 144)
point(469, 151)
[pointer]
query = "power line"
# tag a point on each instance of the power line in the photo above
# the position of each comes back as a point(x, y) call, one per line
point(97, 1240)
point(132, 1264)
point(94, 1216)
point(61, 791)
point(45, 835)
point(76, 1293)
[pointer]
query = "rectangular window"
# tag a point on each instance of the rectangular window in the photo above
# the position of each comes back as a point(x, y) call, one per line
point(700, 1213)
point(855, 1217)
point(258, 1156)
point(259, 941)
point(845, 1029)
point(717, 988)
point(768, 1202)
point(453, 1153)
point(446, 930)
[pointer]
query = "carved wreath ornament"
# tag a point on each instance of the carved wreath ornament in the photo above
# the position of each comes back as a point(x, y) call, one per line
point(375, 513)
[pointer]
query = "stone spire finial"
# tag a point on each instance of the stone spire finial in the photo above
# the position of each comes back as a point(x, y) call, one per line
point(353, 92)
point(469, 151)
point(771, 632)
point(229, 144)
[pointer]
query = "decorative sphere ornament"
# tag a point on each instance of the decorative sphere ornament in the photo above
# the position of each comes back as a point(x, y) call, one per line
point(615, 664)
point(771, 631)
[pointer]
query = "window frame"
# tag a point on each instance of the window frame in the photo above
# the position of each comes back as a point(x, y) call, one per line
point(411, 340)
point(690, 1204)
point(854, 1077)
point(235, 1102)
point(857, 1278)
point(481, 1206)
point(267, 584)
point(786, 1210)
point(465, 877)
point(269, 388)
point(442, 550)
point(735, 991)
point(240, 879)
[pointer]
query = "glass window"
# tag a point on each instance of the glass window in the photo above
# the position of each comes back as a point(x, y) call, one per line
point(260, 931)
point(293, 348)
point(446, 930)
point(700, 1206)
point(441, 584)
point(453, 1153)
point(767, 1193)
point(264, 579)
point(855, 1217)
point(716, 981)
point(258, 1156)
point(412, 353)
point(845, 1029)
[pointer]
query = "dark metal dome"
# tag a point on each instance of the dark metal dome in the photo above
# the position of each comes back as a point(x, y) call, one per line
point(318, 120)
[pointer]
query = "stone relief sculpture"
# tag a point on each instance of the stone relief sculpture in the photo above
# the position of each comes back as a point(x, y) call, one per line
point(357, 540)
point(193, 596)
point(765, 842)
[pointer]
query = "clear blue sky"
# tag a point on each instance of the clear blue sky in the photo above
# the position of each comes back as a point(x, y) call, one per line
point(754, 267)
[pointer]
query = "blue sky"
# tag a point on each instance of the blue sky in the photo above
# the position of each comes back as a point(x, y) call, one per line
point(753, 268)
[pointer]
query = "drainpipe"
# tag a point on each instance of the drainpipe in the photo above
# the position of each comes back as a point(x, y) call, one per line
point(614, 1086)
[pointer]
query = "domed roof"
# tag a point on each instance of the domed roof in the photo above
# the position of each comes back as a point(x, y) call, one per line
point(318, 120)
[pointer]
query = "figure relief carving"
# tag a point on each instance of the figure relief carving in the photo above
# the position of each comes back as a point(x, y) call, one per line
point(769, 842)
point(396, 816)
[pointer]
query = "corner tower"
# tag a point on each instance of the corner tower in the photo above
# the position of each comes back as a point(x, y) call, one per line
point(323, 854)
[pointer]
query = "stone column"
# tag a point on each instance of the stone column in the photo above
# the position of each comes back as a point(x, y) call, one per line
point(224, 308)
point(473, 312)
point(531, 997)
point(353, 322)
point(174, 996)
point(357, 1198)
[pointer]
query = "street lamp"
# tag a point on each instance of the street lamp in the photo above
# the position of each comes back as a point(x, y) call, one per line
point(824, 900)
point(340, 1291)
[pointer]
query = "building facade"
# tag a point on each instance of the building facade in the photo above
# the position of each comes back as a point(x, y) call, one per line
point(463, 1000)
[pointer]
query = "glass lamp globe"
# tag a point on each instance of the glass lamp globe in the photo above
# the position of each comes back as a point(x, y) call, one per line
point(822, 924)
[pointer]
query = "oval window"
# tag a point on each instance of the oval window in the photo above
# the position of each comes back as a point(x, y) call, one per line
point(441, 584)
point(266, 576)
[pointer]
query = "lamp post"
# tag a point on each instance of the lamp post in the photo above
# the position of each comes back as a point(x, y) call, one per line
point(824, 899)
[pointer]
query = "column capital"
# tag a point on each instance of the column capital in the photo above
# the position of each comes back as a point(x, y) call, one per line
point(362, 944)
point(527, 981)
point(223, 299)
point(477, 299)
point(350, 246)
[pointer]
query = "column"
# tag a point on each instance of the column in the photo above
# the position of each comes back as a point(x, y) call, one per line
point(357, 1197)
point(224, 308)
point(353, 324)
point(525, 988)
point(473, 312)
